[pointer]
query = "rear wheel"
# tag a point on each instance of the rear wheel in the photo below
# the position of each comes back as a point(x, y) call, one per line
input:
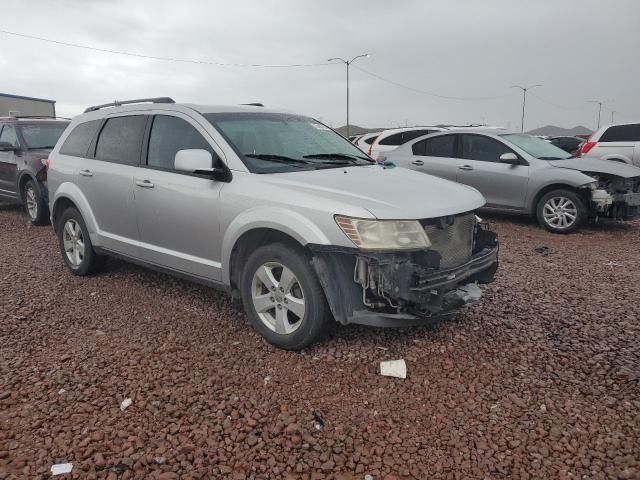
point(75, 244)
point(561, 211)
point(283, 297)
point(35, 203)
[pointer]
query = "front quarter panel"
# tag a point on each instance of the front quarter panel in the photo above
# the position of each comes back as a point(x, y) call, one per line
point(546, 175)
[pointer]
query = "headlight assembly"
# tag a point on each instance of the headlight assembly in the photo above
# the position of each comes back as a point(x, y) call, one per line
point(384, 234)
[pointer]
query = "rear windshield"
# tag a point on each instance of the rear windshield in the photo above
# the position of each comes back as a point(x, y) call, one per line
point(277, 142)
point(536, 147)
point(42, 135)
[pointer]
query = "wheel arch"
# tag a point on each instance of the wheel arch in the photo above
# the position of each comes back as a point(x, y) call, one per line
point(69, 195)
point(556, 186)
point(23, 178)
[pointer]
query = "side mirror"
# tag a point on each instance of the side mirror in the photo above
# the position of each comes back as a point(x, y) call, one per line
point(510, 158)
point(7, 147)
point(200, 162)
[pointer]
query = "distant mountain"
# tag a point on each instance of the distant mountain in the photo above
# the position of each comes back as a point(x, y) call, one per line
point(356, 130)
point(553, 131)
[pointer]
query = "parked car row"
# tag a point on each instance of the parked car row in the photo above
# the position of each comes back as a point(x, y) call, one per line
point(282, 212)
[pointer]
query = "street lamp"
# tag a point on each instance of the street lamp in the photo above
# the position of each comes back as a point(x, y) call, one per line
point(347, 63)
point(524, 100)
point(600, 103)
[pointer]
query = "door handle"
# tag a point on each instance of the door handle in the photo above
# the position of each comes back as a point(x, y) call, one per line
point(86, 173)
point(144, 183)
point(465, 167)
point(418, 162)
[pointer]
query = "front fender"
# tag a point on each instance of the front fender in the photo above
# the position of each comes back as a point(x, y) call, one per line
point(556, 176)
point(275, 218)
point(71, 192)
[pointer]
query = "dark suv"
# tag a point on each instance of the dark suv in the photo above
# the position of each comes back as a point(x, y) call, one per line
point(25, 144)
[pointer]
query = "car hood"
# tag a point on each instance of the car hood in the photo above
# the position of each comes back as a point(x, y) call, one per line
point(598, 166)
point(387, 193)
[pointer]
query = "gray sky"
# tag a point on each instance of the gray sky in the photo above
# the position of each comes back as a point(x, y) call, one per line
point(579, 50)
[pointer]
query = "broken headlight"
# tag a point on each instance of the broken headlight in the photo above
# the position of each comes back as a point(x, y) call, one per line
point(384, 234)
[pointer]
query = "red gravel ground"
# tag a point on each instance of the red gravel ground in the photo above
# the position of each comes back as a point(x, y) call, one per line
point(541, 380)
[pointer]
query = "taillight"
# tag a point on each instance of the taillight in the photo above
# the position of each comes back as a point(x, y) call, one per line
point(45, 162)
point(584, 148)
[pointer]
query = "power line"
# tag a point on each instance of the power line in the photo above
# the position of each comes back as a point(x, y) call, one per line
point(424, 92)
point(164, 59)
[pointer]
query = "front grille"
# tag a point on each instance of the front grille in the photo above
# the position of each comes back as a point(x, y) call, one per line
point(452, 238)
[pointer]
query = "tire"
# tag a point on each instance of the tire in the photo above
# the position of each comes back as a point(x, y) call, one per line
point(89, 262)
point(561, 211)
point(282, 321)
point(35, 204)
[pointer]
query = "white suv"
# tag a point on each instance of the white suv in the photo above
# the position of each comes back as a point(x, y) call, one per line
point(620, 143)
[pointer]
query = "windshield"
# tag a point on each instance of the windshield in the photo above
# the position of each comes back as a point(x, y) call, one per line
point(536, 147)
point(277, 142)
point(42, 135)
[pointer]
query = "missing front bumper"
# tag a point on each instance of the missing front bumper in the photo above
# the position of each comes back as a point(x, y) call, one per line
point(398, 288)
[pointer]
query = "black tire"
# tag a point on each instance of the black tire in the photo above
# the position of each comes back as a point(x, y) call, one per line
point(91, 262)
point(316, 318)
point(40, 215)
point(581, 212)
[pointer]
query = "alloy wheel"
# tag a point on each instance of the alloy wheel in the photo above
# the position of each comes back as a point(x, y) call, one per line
point(560, 212)
point(278, 298)
point(32, 203)
point(73, 242)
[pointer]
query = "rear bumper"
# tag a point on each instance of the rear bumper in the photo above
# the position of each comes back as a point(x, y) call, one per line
point(408, 288)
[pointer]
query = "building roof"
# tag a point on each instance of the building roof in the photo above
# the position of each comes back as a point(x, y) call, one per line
point(26, 98)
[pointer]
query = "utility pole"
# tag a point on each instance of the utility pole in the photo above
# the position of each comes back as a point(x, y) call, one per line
point(613, 116)
point(348, 63)
point(524, 100)
point(600, 103)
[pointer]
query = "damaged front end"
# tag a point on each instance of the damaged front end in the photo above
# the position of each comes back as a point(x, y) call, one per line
point(615, 197)
point(401, 288)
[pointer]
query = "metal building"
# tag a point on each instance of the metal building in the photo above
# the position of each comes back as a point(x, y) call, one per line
point(26, 106)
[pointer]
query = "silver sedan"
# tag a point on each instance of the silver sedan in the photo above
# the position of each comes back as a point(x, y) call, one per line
point(522, 174)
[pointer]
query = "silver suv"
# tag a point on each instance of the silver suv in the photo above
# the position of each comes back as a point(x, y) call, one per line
point(274, 208)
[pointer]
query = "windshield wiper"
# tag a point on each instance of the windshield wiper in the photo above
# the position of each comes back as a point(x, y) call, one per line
point(553, 158)
point(276, 158)
point(41, 148)
point(341, 157)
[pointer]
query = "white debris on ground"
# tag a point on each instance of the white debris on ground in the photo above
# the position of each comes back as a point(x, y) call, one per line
point(126, 403)
point(393, 368)
point(61, 468)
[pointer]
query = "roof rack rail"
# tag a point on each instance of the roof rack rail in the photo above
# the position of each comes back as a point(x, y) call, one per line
point(117, 103)
point(255, 104)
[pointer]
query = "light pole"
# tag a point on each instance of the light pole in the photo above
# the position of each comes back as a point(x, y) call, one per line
point(348, 63)
point(600, 103)
point(613, 116)
point(524, 100)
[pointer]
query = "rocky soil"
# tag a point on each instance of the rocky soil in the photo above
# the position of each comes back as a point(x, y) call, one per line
point(540, 380)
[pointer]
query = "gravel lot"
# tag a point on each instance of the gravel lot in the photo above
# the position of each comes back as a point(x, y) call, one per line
point(542, 380)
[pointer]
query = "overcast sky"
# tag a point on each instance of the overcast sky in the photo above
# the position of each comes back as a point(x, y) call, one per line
point(579, 50)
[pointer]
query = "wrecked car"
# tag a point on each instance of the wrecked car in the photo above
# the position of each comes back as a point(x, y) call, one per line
point(519, 173)
point(277, 209)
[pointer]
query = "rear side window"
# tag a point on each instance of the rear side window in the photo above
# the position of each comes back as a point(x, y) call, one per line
point(120, 140)
point(8, 135)
point(443, 146)
point(403, 137)
point(78, 141)
point(369, 141)
point(622, 133)
point(168, 136)
point(485, 149)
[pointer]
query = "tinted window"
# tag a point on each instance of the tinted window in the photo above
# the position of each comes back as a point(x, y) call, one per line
point(622, 133)
point(78, 141)
point(42, 135)
point(403, 137)
point(9, 135)
point(478, 147)
point(170, 134)
point(436, 147)
point(121, 139)
point(371, 140)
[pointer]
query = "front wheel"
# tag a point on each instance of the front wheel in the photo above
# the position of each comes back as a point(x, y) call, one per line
point(561, 211)
point(75, 244)
point(283, 297)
